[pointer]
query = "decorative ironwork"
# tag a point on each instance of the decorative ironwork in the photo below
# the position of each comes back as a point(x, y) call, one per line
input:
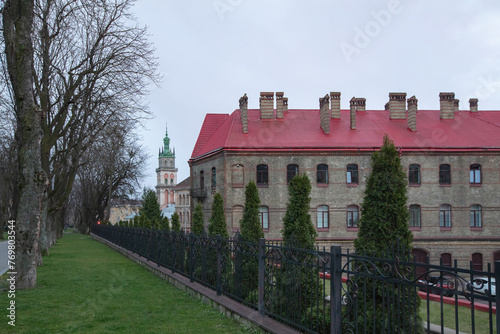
point(289, 283)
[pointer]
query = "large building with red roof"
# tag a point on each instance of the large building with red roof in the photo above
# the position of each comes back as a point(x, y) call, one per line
point(452, 159)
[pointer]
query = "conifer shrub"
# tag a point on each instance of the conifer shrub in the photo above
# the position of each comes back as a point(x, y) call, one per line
point(198, 220)
point(384, 224)
point(299, 287)
point(246, 279)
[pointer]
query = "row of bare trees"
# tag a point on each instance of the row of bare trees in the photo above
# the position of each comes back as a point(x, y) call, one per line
point(76, 74)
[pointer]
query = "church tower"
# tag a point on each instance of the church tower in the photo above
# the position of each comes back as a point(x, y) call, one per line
point(166, 174)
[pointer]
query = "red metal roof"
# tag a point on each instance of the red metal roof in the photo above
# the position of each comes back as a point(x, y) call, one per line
point(300, 130)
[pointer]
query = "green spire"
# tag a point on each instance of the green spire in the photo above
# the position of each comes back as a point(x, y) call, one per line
point(166, 152)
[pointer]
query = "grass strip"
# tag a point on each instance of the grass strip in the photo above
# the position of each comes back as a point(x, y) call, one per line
point(85, 287)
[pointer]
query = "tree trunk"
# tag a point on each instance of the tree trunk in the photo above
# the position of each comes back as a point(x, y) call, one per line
point(44, 225)
point(17, 27)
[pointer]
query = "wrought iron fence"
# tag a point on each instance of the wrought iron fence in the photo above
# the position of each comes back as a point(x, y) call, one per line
point(323, 290)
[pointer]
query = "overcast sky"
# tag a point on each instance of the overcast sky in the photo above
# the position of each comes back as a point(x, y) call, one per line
point(211, 52)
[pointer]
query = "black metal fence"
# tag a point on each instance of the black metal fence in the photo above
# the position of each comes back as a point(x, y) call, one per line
point(325, 290)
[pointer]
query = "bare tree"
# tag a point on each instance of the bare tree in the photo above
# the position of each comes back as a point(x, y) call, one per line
point(93, 65)
point(111, 170)
point(76, 68)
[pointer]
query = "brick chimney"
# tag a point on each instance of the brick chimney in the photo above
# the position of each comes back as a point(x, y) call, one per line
point(353, 113)
point(456, 103)
point(335, 104)
point(266, 105)
point(473, 105)
point(397, 105)
point(281, 104)
point(412, 113)
point(244, 112)
point(360, 104)
point(447, 105)
point(324, 113)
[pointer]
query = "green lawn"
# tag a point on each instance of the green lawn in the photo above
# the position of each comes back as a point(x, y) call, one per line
point(85, 287)
point(481, 319)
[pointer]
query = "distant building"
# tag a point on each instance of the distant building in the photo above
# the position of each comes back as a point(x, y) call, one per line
point(166, 174)
point(451, 156)
point(183, 203)
point(122, 209)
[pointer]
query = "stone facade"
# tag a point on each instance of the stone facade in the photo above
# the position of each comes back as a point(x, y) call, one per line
point(120, 209)
point(183, 204)
point(446, 201)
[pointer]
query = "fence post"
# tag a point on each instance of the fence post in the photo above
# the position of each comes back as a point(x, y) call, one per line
point(159, 234)
point(191, 257)
point(262, 276)
point(219, 264)
point(173, 255)
point(335, 290)
point(497, 295)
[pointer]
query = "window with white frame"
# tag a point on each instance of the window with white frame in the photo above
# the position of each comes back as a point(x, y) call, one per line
point(322, 216)
point(414, 215)
point(352, 174)
point(352, 216)
point(475, 174)
point(475, 215)
point(264, 217)
point(445, 215)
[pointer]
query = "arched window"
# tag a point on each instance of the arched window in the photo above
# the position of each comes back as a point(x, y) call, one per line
point(475, 174)
point(475, 215)
point(352, 174)
point(477, 261)
point(420, 256)
point(414, 174)
point(446, 260)
point(444, 174)
point(445, 215)
point(291, 171)
point(264, 217)
point(322, 216)
point(352, 216)
point(322, 174)
point(262, 175)
point(414, 215)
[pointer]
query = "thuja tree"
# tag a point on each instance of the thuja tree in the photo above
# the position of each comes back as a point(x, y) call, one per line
point(384, 223)
point(217, 226)
point(150, 208)
point(297, 226)
point(247, 266)
point(299, 287)
point(198, 220)
point(217, 220)
point(176, 222)
point(164, 224)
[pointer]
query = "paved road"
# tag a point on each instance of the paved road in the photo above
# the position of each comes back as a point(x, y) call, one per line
point(3, 257)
